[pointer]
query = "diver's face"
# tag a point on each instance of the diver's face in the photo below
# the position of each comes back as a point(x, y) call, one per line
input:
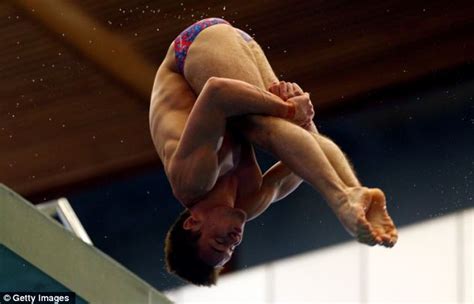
point(221, 231)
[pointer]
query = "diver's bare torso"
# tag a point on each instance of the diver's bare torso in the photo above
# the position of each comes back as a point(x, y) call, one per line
point(213, 53)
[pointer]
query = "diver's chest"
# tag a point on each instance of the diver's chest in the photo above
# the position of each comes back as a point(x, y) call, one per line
point(228, 154)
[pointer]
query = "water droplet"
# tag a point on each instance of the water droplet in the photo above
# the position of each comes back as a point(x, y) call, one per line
point(223, 8)
point(157, 29)
point(136, 34)
point(93, 137)
point(109, 22)
point(63, 125)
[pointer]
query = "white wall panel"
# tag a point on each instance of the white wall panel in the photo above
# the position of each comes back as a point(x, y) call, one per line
point(422, 267)
point(174, 295)
point(328, 275)
point(431, 263)
point(468, 255)
point(243, 287)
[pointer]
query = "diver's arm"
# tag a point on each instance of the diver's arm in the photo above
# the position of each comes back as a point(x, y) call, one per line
point(277, 183)
point(193, 166)
point(234, 97)
point(280, 178)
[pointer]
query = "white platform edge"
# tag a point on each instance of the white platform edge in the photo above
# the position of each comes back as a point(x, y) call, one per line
point(82, 268)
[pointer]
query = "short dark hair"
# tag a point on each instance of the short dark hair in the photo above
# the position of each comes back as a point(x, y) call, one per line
point(181, 255)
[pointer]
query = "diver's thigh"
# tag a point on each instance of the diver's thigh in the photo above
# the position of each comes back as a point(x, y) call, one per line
point(219, 51)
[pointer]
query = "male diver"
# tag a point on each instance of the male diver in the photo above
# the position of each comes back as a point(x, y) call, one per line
point(215, 95)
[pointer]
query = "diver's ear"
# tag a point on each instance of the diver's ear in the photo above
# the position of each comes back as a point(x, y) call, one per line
point(192, 223)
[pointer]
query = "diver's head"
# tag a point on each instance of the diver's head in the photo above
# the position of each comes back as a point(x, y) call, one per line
point(221, 230)
point(200, 243)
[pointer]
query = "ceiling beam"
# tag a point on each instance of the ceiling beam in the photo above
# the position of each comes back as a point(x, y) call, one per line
point(112, 53)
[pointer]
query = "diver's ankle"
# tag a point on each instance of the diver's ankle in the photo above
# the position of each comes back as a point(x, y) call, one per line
point(344, 197)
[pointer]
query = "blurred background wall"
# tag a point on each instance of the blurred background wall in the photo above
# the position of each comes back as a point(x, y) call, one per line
point(417, 270)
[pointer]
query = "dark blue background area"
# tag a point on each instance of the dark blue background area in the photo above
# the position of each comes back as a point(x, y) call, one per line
point(17, 275)
point(417, 145)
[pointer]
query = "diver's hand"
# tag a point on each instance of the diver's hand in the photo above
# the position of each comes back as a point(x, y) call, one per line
point(292, 93)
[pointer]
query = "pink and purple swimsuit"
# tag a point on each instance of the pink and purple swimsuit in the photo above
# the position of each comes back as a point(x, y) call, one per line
point(186, 38)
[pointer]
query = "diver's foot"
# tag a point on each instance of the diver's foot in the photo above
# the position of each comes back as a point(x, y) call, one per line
point(363, 214)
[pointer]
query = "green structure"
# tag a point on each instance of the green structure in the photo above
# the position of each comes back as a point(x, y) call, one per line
point(38, 254)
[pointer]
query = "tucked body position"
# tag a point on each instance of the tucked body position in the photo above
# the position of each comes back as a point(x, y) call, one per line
point(215, 97)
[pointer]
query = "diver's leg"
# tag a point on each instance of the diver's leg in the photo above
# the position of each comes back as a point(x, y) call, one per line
point(336, 157)
point(362, 211)
point(338, 160)
point(299, 150)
